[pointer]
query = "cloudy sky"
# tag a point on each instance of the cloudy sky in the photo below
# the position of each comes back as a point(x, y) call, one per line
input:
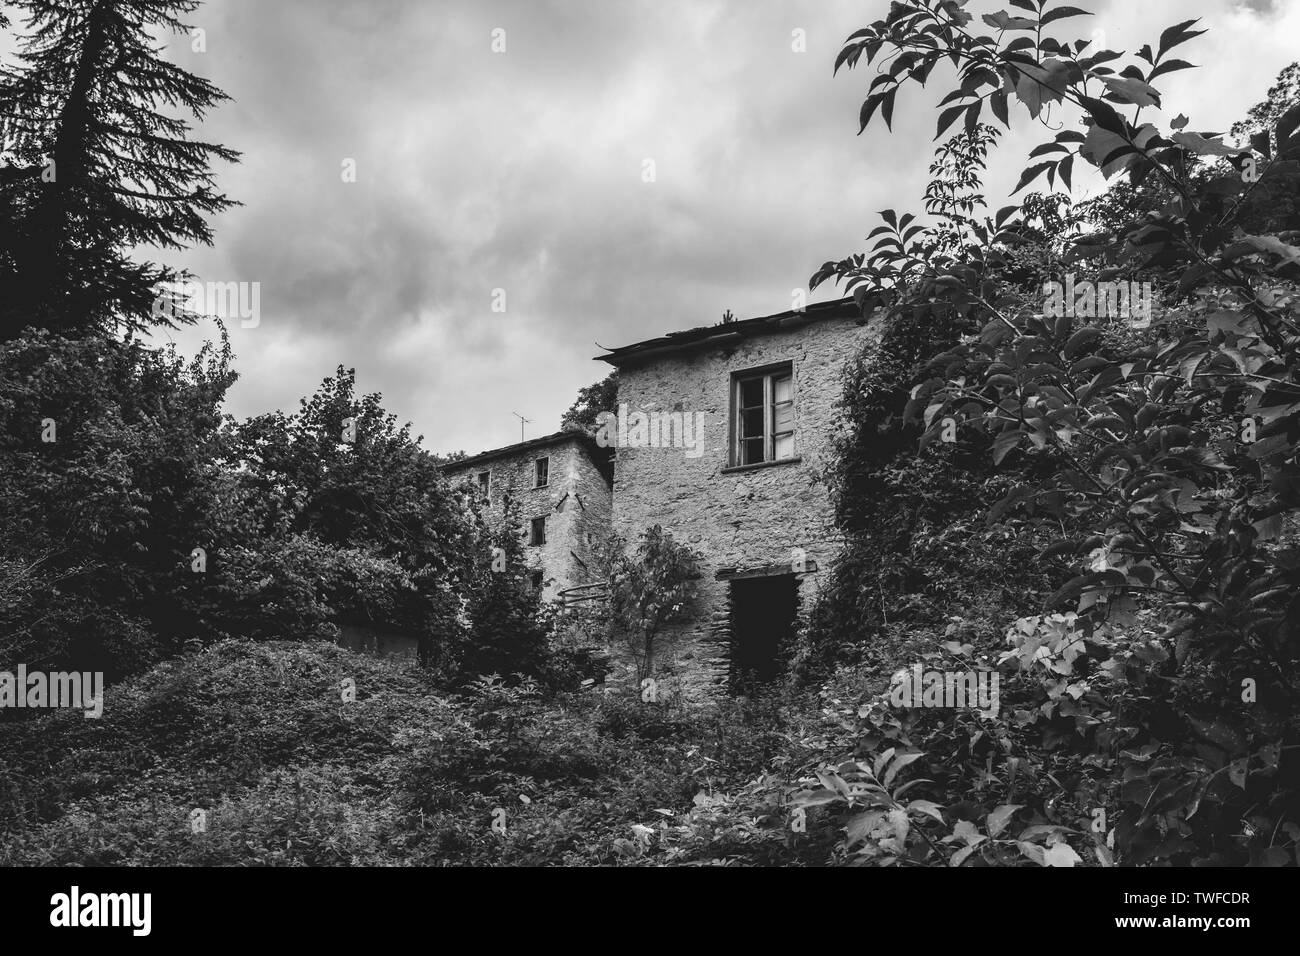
point(523, 171)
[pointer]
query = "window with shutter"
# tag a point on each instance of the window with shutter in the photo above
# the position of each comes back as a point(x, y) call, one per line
point(763, 427)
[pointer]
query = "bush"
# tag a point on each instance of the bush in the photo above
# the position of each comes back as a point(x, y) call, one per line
point(106, 485)
point(259, 737)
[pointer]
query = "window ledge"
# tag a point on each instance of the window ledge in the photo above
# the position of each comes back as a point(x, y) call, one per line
point(731, 469)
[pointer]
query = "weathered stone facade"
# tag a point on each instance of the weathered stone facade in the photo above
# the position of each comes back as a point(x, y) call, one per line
point(771, 520)
point(575, 502)
point(741, 418)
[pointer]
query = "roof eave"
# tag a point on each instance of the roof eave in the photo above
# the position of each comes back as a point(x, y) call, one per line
point(720, 334)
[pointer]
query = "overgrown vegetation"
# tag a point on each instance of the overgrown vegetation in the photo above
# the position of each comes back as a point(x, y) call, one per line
point(136, 520)
point(651, 586)
point(1098, 509)
point(1145, 468)
point(249, 755)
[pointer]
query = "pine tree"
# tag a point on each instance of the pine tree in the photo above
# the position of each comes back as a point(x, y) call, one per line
point(94, 166)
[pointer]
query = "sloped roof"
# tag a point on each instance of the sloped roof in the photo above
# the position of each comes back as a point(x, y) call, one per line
point(597, 454)
point(710, 335)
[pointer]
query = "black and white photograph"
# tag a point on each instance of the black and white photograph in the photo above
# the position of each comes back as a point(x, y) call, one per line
point(634, 434)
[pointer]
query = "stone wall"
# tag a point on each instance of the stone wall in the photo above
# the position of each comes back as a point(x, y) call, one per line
point(575, 502)
point(752, 517)
point(590, 515)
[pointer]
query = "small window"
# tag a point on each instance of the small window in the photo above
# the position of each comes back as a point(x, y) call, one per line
point(763, 429)
point(537, 531)
point(535, 579)
point(485, 484)
point(541, 472)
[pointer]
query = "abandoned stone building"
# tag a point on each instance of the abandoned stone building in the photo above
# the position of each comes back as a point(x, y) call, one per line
point(561, 485)
point(720, 436)
point(745, 493)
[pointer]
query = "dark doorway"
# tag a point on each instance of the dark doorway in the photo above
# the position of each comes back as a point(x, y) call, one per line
point(763, 611)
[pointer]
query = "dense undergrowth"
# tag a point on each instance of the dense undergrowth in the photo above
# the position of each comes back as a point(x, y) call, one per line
point(259, 738)
point(1099, 510)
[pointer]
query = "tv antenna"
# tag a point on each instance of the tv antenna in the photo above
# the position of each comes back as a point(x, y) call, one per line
point(521, 423)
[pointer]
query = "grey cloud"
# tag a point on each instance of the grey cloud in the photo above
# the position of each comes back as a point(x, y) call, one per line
point(522, 171)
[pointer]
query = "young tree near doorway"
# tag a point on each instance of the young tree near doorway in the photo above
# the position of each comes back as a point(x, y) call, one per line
point(649, 589)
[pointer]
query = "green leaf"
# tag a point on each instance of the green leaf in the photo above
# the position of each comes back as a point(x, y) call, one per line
point(1237, 772)
point(1288, 124)
point(1268, 529)
point(1060, 13)
point(816, 799)
point(881, 760)
point(1170, 66)
point(1201, 146)
point(1033, 851)
point(1132, 90)
point(968, 833)
point(961, 855)
point(1081, 339)
point(1104, 115)
point(998, 103)
point(1059, 549)
point(844, 54)
point(887, 111)
point(928, 808)
point(1045, 148)
point(1221, 735)
point(916, 782)
point(1068, 591)
point(1038, 84)
point(997, 820)
point(1061, 854)
point(860, 827)
point(901, 761)
point(948, 117)
point(1030, 174)
point(833, 781)
point(1274, 245)
point(1112, 152)
point(1006, 440)
point(868, 108)
point(1179, 33)
point(1005, 21)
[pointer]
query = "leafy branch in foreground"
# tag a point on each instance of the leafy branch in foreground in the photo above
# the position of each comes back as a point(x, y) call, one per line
point(1156, 448)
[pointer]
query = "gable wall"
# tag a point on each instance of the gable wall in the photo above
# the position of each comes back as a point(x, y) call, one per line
point(576, 502)
point(734, 518)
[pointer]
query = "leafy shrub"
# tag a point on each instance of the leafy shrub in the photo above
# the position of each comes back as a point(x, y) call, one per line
point(1145, 471)
point(106, 485)
point(258, 736)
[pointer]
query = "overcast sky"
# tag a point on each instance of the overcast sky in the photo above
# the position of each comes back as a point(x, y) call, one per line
point(522, 170)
